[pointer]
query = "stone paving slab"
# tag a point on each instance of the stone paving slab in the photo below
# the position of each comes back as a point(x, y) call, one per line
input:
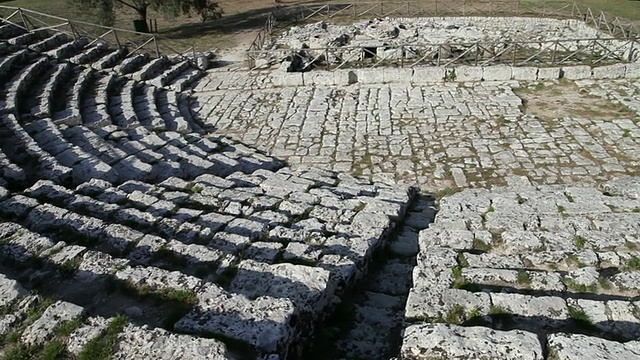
point(436, 137)
point(539, 259)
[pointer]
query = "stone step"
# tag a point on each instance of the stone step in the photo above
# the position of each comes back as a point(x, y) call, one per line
point(69, 49)
point(50, 43)
point(90, 53)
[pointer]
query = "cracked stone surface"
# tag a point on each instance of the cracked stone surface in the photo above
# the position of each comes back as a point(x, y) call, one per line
point(236, 219)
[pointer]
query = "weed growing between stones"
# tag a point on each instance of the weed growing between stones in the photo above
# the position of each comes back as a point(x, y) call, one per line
point(459, 281)
point(102, 348)
point(633, 263)
point(575, 260)
point(455, 315)
point(524, 279)
point(579, 288)
point(579, 242)
point(481, 245)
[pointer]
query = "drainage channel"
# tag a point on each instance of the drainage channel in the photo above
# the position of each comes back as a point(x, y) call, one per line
point(368, 323)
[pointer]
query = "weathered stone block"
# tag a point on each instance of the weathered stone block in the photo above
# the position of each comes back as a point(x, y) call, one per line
point(497, 73)
point(615, 71)
point(397, 76)
point(549, 73)
point(426, 75)
point(576, 72)
point(370, 76)
point(287, 79)
point(632, 70)
point(524, 73)
point(468, 73)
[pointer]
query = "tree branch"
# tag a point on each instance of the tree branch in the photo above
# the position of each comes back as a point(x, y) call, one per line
point(127, 4)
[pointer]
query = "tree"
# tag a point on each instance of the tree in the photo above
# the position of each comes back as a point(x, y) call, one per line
point(105, 9)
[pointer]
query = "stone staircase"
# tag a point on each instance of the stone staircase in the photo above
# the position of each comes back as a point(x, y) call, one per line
point(115, 200)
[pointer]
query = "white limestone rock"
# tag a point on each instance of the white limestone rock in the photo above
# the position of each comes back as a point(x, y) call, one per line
point(10, 290)
point(41, 330)
point(456, 342)
point(577, 347)
point(143, 343)
point(309, 288)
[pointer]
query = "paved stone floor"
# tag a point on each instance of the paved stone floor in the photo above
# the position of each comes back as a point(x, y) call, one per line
point(439, 137)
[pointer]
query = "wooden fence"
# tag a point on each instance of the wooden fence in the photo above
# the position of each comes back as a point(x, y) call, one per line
point(134, 41)
point(513, 53)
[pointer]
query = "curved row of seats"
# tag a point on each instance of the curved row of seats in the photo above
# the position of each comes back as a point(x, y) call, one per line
point(103, 165)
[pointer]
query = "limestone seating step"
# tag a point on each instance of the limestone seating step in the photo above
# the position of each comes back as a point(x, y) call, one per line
point(90, 53)
point(121, 105)
point(71, 111)
point(147, 109)
point(167, 107)
point(184, 80)
point(29, 38)
point(110, 59)
point(252, 317)
point(9, 31)
point(42, 102)
point(19, 84)
point(95, 103)
point(131, 64)
point(151, 69)
point(165, 77)
point(26, 151)
point(51, 43)
point(10, 172)
point(72, 148)
point(69, 49)
point(13, 60)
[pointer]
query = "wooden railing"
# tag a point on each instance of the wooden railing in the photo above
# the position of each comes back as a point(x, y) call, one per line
point(31, 20)
point(616, 27)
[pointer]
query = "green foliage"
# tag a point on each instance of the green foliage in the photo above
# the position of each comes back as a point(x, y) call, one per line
point(497, 310)
point(67, 327)
point(455, 315)
point(579, 288)
point(524, 278)
point(579, 242)
point(458, 281)
point(19, 352)
point(182, 296)
point(101, 348)
point(462, 260)
point(481, 245)
point(450, 75)
point(604, 283)
point(105, 10)
point(578, 315)
point(561, 209)
point(53, 350)
point(633, 263)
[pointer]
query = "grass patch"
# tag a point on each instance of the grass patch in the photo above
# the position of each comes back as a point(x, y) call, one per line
point(633, 263)
point(579, 288)
point(101, 348)
point(579, 242)
point(569, 197)
point(481, 245)
point(574, 259)
point(498, 310)
point(524, 279)
point(455, 315)
point(19, 352)
point(54, 350)
point(604, 283)
point(458, 280)
point(462, 260)
point(561, 209)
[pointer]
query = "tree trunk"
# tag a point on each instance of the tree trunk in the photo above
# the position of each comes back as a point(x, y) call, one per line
point(141, 25)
